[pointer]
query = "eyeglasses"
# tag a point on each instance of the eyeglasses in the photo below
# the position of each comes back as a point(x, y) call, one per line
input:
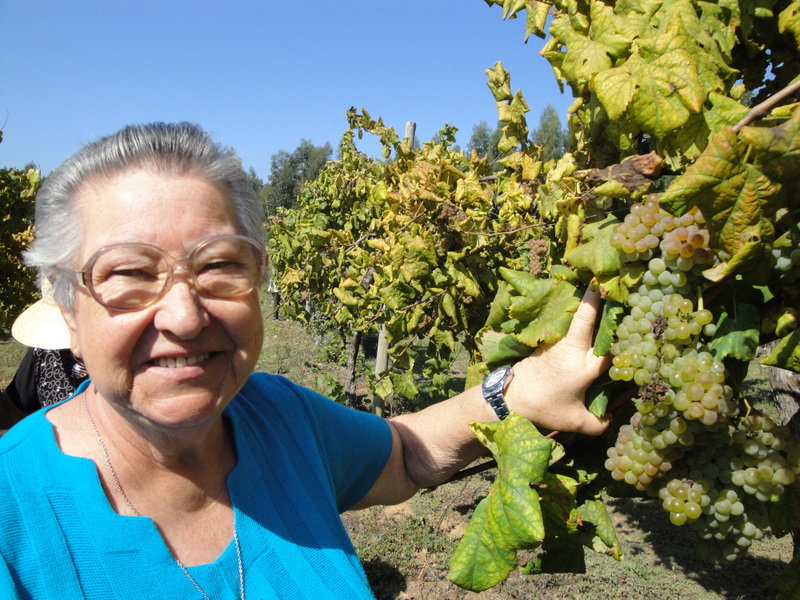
point(130, 277)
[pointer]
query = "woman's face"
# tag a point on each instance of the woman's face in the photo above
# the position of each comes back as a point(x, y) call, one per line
point(180, 361)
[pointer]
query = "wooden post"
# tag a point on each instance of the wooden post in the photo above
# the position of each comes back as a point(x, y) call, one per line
point(382, 358)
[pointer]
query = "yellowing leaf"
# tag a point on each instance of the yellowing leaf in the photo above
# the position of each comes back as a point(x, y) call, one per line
point(735, 197)
point(510, 518)
point(789, 21)
point(594, 52)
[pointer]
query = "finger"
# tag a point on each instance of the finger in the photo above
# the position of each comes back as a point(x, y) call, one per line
point(597, 365)
point(582, 326)
point(591, 424)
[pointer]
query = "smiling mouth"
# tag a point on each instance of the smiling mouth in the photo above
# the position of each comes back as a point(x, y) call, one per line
point(181, 361)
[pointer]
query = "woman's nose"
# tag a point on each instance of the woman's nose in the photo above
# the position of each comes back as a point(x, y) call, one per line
point(181, 310)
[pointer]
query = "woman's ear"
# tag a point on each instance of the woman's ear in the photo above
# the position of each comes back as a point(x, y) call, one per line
point(69, 319)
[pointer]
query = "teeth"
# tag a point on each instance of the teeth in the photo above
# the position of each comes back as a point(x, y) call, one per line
point(181, 361)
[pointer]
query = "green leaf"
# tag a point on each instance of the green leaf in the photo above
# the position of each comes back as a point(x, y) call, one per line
point(499, 82)
point(498, 348)
point(598, 531)
point(737, 335)
point(657, 89)
point(595, 253)
point(787, 353)
point(383, 387)
point(597, 401)
point(592, 53)
point(398, 295)
point(478, 563)
point(778, 148)
point(544, 309)
point(609, 320)
point(510, 518)
point(789, 21)
point(403, 384)
point(498, 311)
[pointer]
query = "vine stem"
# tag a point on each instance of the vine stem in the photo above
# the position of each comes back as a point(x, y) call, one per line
point(763, 107)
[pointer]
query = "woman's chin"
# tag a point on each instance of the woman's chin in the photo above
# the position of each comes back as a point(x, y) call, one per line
point(179, 411)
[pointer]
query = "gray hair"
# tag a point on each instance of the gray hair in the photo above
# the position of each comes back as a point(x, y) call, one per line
point(165, 147)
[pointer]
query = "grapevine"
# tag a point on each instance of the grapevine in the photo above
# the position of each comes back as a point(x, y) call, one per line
point(677, 201)
point(695, 276)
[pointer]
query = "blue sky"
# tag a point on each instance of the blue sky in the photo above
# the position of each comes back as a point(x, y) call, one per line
point(260, 75)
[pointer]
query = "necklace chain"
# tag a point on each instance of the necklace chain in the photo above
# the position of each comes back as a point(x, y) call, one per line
point(138, 514)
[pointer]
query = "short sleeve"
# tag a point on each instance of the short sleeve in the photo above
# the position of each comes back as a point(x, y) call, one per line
point(350, 448)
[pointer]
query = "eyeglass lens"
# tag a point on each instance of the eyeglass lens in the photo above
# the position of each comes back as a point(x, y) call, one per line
point(133, 276)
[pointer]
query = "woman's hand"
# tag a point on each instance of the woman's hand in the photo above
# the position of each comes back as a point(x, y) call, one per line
point(549, 387)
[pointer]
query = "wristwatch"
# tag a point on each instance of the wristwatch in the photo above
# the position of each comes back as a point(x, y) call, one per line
point(493, 387)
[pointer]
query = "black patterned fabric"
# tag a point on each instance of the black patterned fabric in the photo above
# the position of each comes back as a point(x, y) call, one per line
point(45, 377)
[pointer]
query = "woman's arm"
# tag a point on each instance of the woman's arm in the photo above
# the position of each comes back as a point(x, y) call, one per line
point(548, 388)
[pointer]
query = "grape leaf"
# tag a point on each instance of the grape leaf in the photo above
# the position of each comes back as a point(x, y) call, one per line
point(601, 536)
point(778, 148)
point(789, 21)
point(597, 401)
point(544, 309)
point(736, 198)
point(594, 51)
point(499, 82)
point(659, 87)
point(403, 384)
point(609, 321)
point(595, 252)
point(787, 353)
point(498, 311)
point(737, 335)
point(498, 348)
point(510, 517)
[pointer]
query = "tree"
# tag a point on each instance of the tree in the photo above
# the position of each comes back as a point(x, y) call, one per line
point(17, 283)
point(479, 142)
point(484, 143)
point(255, 180)
point(289, 172)
point(550, 134)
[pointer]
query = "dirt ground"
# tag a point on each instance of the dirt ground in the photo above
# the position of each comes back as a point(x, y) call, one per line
point(406, 549)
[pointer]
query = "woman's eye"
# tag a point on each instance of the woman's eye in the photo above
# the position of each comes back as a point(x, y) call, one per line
point(132, 273)
point(218, 265)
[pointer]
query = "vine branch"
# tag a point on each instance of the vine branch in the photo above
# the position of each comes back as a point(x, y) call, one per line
point(767, 104)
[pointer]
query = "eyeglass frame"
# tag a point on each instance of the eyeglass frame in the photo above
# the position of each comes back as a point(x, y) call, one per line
point(173, 264)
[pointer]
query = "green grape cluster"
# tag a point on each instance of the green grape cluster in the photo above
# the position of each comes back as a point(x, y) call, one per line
point(688, 443)
point(730, 476)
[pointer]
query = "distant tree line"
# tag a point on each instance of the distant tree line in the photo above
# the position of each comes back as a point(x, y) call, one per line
point(289, 171)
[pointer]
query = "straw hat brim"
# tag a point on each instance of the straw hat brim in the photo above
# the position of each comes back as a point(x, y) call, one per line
point(41, 325)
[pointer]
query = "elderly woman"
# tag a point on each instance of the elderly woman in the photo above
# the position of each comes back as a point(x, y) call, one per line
point(175, 472)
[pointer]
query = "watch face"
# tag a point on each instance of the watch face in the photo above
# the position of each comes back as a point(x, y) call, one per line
point(494, 378)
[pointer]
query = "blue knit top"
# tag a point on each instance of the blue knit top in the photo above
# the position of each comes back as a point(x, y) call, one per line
point(301, 460)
